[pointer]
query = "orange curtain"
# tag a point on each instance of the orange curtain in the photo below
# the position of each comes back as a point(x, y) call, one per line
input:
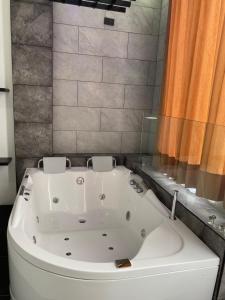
point(191, 140)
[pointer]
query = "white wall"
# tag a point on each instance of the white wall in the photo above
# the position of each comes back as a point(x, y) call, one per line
point(7, 148)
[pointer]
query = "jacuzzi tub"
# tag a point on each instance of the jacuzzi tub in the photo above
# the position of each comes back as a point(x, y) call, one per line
point(67, 230)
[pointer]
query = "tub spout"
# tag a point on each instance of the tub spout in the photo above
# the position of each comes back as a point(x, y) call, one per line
point(172, 214)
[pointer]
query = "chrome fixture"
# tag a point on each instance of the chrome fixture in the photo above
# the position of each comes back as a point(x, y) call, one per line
point(80, 180)
point(136, 186)
point(39, 163)
point(69, 163)
point(102, 196)
point(132, 182)
point(211, 220)
point(139, 190)
point(89, 159)
point(175, 197)
point(151, 118)
point(221, 228)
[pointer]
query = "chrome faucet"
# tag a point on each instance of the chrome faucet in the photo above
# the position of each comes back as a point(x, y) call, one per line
point(136, 186)
point(172, 214)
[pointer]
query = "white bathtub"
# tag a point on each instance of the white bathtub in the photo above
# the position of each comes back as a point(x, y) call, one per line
point(64, 238)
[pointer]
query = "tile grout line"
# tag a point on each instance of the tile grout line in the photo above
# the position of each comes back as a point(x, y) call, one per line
point(97, 108)
point(107, 29)
point(75, 134)
point(128, 40)
point(107, 57)
point(77, 94)
point(98, 82)
point(121, 141)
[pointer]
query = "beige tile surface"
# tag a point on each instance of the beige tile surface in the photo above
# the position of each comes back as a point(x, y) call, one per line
point(76, 118)
point(102, 42)
point(93, 94)
point(98, 142)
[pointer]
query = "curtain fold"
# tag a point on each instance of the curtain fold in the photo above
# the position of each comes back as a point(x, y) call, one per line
point(191, 139)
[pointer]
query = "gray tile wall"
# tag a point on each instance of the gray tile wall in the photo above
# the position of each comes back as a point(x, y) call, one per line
point(31, 23)
point(104, 76)
point(86, 87)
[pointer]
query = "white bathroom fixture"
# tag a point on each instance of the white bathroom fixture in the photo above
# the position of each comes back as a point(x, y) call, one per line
point(90, 235)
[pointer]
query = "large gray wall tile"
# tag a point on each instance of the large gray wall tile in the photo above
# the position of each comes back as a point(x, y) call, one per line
point(76, 118)
point(139, 96)
point(121, 120)
point(126, 71)
point(98, 142)
point(31, 24)
point(32, 103)
point(137, 19)
point(64, 141)
point(65, 38)
point(131, 142)
point(77, 67)
point(32, 65)
point(65, 92)
point(102, 42)
point(142, 46)
point(100, 94)
point(75, 15)
point(33, 139)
